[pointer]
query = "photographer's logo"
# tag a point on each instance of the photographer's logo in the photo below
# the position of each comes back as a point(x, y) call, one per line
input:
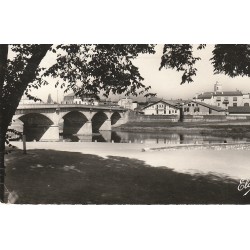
point(244, 185)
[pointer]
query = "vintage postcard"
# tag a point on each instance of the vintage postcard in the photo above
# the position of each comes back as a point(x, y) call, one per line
point(125, 124)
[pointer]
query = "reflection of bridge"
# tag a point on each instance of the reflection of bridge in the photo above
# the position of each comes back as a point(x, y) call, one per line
point(46, 121)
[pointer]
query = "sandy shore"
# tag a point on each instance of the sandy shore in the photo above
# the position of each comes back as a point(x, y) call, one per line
point(230, 162)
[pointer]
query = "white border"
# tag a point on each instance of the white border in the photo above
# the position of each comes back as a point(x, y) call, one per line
point(130, 21)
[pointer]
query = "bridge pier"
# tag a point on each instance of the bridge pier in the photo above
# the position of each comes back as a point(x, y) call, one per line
point(85, 138)
point(106, 125)
point(51, 134)
point(119, 122)
point(106, 135)
point(86, 129)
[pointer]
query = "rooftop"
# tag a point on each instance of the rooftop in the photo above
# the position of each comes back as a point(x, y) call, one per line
point(205, 95)
point(228, 93)
point(170, 103)
point(219, 109)
point(209, 95)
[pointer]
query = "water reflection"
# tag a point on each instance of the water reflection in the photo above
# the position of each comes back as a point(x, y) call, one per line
point(151, 138)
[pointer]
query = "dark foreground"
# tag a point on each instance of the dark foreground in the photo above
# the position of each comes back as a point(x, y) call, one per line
point(57, 177)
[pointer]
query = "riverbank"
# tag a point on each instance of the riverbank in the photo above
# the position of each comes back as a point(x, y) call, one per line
point(214, 146)
point(109, 173)
point(234, 129)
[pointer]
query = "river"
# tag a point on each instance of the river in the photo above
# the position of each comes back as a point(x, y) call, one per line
point(153, 138)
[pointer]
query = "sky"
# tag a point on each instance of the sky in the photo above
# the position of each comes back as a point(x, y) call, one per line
point(165, 83)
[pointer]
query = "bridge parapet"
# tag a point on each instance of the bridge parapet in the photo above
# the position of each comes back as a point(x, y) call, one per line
point(78, 106)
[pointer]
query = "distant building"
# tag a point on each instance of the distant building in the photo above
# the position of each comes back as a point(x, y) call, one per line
point(217, 87)
point(223, 99)
point(246, 100)
point(126, 103)
point(69, 99)
point(84, 99)
point(135, 105)
point(200, 108)
point(161, 108)
point(140, 106)
point(108, 102)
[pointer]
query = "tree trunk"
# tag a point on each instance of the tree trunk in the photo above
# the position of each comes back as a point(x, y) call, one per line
point(3, 129)
point(2, 166)
point(8, 105)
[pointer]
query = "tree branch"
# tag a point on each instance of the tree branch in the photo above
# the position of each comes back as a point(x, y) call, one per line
point(27, 77)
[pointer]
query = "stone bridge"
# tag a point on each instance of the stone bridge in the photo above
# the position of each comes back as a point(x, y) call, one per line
point(47, 121)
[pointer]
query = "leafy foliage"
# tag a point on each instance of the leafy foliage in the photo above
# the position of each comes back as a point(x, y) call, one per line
point(11, 133)
point(231, 59)
point(106, 68)
point(201, 46)
point(180, 57)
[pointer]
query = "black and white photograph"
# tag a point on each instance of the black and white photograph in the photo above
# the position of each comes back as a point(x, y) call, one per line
point(124, 125)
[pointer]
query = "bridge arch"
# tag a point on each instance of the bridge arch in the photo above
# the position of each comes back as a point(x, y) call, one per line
point(115, 117)
point(100, 121)
point(73, 122)
point(35, 125)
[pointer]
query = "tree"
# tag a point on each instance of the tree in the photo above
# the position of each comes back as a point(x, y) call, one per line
point(85, 69)
point(49, 100)
point(229, 59)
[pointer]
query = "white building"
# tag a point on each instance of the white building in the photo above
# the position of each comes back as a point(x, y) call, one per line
point(84, 100)
point(126, 103)
point(246, 100)
point(161, 108)
point(223, 99)
point(134, 105)
point(201, 108)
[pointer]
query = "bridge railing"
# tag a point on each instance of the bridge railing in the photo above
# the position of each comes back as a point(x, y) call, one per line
point(58, 106)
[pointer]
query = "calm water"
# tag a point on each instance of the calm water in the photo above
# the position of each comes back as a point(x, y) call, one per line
point(154, 138)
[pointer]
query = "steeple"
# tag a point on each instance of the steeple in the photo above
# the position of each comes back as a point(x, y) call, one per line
point(217, 87)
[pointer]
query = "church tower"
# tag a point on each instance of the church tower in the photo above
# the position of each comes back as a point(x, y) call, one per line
point(217, 87)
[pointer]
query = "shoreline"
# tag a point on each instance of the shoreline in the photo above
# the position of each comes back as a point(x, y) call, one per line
point(223, 129)
point(205, 146)
point(142, 146)
point(230, 161)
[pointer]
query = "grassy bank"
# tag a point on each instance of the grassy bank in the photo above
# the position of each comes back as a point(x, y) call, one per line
point(225, 128)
